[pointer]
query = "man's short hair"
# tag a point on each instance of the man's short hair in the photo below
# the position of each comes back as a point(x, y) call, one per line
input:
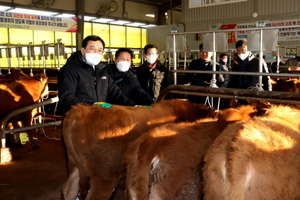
point(92, 38)
point(150, 46)
point(222, 55)
point(124, 50)
point(241, 43)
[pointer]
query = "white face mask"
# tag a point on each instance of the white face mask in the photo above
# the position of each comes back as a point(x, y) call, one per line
point(92, 58)
point(151, 59)
point(244, 56)
point(225, 60)
point(123, 66)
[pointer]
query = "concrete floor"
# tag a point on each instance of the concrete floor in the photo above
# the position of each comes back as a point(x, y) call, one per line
point(35, 174)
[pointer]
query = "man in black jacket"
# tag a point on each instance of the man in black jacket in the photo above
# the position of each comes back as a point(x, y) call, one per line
point(126, 79)
point(247, 62)
point(204, 63)
point(83, 79)
point(152, 75)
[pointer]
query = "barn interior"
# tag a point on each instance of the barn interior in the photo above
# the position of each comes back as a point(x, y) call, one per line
point(38, 36)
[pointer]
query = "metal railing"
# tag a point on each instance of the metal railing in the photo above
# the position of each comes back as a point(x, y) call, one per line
point(4, 121)
point(276, 97)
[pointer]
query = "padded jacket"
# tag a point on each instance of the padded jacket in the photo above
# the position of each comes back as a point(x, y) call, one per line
point(153, 81)
point(130, 86)
point(78, 82)
point(251, 64)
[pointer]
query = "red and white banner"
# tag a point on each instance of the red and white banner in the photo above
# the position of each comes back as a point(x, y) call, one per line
point(37, 22)
point(285, 34)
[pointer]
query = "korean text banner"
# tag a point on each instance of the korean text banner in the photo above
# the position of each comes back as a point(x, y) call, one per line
point(285, 34)
point(37, 22)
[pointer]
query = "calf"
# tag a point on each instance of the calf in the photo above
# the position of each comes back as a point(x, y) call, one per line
point(166, 162)
point(286, 85)
point(19, 93)
point(258, 159)
point(96, 139)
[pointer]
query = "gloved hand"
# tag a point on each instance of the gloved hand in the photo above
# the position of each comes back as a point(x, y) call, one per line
point(103, 104)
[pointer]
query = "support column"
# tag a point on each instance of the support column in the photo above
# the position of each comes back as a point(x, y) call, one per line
point(79, 11)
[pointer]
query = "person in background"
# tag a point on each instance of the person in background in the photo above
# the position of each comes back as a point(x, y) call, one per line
point(223, 78)
point(204, 63)
point(247, 62)
point(152, 75)
point(83, 79)
point(293, 65)
point(274, 65)
point(125, 78)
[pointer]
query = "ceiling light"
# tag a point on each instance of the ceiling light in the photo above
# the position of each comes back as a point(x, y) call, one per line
point(32, 12)
point(89, 18)
point(65, 15)
point(4, 8)
point(149, 25)
point(150, 15)
point(103, 20)
point(120, 22)
point(135, 24)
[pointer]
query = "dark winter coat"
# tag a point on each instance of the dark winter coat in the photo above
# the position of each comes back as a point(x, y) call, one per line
point(153, 81)
point(250, 64)
point(223, 79)
point(78, 82)
point(200, 78)
point(130, 86)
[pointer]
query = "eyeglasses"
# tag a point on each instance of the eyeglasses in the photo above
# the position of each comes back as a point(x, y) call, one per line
point(95, 49)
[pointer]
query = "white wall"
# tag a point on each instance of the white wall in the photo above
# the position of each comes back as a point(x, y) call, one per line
point(200, 19)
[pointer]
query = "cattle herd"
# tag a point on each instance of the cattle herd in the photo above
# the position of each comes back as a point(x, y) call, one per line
point(173, 149)
point(177, 150)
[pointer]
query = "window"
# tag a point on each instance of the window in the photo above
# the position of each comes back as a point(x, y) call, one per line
point(201, 3)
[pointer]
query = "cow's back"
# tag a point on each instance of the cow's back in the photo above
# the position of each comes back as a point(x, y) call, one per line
point(97, 137)
point(166, 162)
point(21, 92)
point(258, 159)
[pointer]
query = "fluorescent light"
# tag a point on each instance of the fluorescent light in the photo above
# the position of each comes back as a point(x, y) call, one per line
point(65, 15)
point(136, 24)
point(89, 18)
point(120, 22)
point(150, 15)
point(4, 8)
point(103, 20)
point(149, 25)
point(32, 12)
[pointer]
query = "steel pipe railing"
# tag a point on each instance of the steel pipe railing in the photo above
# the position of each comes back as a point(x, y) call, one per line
point(276, 97)
point(4, 121)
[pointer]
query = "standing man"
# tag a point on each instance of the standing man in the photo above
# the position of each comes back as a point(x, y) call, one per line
point(223, 78)
point(83, 79)
point(152, 75)
point(204, 63)
point(247, 62)
point(125, 78)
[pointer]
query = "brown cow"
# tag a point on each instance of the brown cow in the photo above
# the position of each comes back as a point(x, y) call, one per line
point(166, 163)
point(20, 93)
point(286, 85)
point(258, 159)
point(96, 139)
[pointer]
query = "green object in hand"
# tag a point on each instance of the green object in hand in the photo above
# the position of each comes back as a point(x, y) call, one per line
point(103, 104)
